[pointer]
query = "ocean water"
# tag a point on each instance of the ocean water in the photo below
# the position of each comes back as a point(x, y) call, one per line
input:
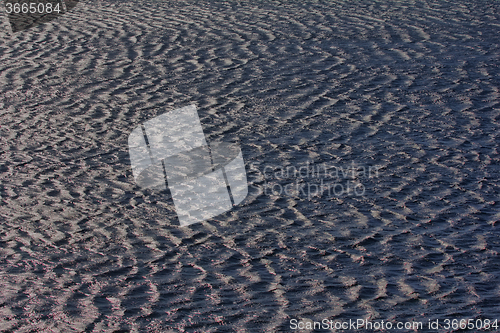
point(397, 100)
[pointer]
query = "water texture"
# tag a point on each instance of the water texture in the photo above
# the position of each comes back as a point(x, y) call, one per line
point(409, 88)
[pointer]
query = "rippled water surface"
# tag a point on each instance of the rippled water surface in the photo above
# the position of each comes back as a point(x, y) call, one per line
point(408, 88)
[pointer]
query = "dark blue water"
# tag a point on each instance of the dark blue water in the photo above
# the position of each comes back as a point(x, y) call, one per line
point(398, 101)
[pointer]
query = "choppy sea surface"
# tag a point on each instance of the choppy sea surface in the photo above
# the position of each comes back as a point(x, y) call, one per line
point(406, 89)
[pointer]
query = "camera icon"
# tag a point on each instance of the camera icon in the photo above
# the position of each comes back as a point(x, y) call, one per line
point(171, 150)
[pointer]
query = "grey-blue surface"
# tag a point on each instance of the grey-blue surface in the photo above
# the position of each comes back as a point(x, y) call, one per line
point(409, 89)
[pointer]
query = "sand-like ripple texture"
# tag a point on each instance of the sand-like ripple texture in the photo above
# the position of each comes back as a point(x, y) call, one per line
point(409, 88)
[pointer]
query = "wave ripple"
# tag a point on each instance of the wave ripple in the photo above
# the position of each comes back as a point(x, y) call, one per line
point(409, 87)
